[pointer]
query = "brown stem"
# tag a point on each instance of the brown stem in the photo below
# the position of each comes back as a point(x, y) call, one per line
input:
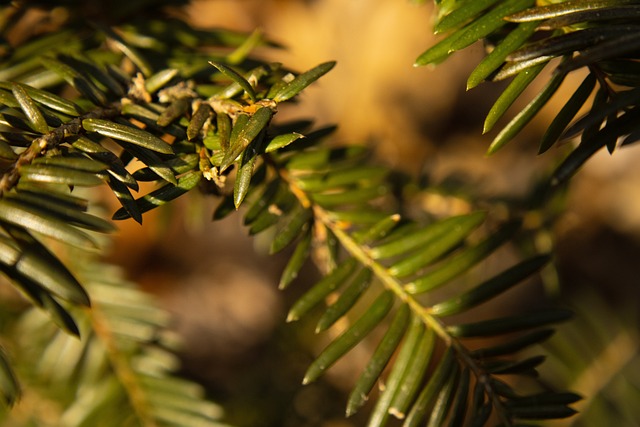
point(51, 140)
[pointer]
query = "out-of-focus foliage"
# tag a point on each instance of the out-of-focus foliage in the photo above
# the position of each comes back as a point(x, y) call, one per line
point(118, 373)
point(110, 100)
point(90, 104)
point(598, 355)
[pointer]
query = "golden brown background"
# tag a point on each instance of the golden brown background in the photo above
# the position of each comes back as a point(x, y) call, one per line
point(419, 120)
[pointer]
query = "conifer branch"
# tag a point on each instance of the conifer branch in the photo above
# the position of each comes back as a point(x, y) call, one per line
point(390, 282)
point(50, 141)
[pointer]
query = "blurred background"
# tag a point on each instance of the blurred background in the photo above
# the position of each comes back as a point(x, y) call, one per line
point(222, 290)
point(422, 122)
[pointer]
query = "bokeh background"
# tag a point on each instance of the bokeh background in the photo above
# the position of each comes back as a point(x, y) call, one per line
point(422, 122)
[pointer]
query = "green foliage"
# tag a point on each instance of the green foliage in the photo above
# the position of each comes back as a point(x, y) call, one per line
point(143, 92)
point(603, 364)
point(83, 105)
point(522, 39)
point(118, 373)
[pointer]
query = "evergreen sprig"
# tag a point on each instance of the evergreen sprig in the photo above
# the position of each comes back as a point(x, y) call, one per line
point(328, 204)
point(119, 373)
point(524, 37)
point(132, 93)
point(196, 111)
